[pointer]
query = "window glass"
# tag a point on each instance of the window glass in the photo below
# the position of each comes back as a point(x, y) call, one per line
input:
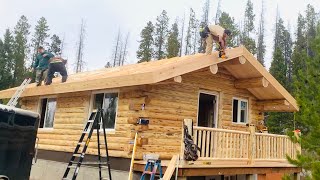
point(108, 102)
point(50, 111)
point(243, 114)
point(240, 111)
point(235, 111)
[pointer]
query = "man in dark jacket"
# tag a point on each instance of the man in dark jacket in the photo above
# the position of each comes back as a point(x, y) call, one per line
point(41, 65)
point(57, 64)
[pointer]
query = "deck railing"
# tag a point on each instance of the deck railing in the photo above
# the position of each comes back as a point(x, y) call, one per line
point(230, 144)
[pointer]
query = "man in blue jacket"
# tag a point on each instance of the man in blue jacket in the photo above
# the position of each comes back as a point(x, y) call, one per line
point(41, 65)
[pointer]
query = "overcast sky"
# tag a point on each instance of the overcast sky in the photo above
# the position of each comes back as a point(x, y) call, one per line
point(104, 17)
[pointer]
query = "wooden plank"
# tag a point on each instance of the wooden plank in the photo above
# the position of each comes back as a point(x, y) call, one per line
point(203, 147)
point(170, 168)
point(208, 144)
point(251, 83)
point(212, 143)
point(273, 102)
point(132, 158)
point(241, 170)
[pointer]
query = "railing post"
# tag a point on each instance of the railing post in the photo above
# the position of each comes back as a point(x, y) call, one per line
point(188, 123)
point(252, 144)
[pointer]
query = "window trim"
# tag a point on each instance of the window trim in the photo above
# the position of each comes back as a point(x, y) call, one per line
point(239, 110)
point(213, 93)
point(91, 106)
point(39, 111)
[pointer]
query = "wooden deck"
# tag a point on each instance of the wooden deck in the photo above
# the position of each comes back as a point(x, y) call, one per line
point(236, 152)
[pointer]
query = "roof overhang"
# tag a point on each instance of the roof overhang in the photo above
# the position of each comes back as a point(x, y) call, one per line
point(240, 63)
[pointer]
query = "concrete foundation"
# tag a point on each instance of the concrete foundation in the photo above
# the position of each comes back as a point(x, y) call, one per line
point(52, 170)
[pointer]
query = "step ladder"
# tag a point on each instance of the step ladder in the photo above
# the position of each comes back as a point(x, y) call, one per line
point(95, 120)
point(153, 164)
point(14, 99)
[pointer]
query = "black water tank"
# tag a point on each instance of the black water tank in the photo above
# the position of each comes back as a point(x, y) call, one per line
point(18, 132)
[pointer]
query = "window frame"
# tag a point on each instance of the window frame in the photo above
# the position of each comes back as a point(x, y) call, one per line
point(239, 110)
point(40, 108)
point(91, 106)
point(213, 93)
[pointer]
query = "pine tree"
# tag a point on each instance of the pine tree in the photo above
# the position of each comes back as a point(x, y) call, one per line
point(145, 51)
point(190, 33)
point(261, 47)
point(79, 66)
point(248, 29)
point(218, 12)
point(39, 37)
point(298, 58)
point(280, 69)
point(206, 11)
point(161, 33)
point(228, 23)
point(182, 35)
point(173, 44)
point(124, 52)
point(308, 98)
point(55, 45)
point(7, 60)
point(21, 50)
point(310, 27)
point(116, 52)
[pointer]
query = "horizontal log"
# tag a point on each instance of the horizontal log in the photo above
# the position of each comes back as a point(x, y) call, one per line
point(251, 83)
point(68, 126)
point(163, 155)
point(142, 141)
point(71, 110)
point(112, 153)
point(161, 135)
point(92, 144)
point(69, 120)
point(157, 148)
point(123, 140)
point(140, 127)
point(280, 102)
point(236, 61)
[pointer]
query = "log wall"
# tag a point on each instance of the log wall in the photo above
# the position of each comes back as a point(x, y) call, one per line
point(166, 105)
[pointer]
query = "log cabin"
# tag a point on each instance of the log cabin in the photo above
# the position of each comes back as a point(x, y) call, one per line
point(222, 101)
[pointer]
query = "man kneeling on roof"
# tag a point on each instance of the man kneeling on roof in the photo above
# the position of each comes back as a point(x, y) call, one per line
point(57, 64)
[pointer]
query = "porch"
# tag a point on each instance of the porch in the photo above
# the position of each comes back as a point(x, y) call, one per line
point(230, 152)
point(231, 148)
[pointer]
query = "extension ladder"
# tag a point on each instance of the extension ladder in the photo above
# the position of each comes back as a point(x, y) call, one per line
point(154, 164)
point(95, 120)
point(14, 99)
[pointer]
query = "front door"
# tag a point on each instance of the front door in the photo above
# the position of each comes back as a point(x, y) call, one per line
point(207, 110)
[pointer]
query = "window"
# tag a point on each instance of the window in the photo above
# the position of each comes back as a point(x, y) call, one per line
point(240, 111)
point(108, 102)
point(47, 111)
point(207, 110)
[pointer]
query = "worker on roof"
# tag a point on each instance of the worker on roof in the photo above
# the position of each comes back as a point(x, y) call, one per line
point(57, 64)
point(219, 35)
point(41, 64)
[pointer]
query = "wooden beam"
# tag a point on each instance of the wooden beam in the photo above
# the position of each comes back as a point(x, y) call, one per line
point(236, 61)
point(278, 102)
point(170, 168)
point(237, 170)
point(132, 157)
point(177, 79)
point(214, 69)
point(251, 83)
